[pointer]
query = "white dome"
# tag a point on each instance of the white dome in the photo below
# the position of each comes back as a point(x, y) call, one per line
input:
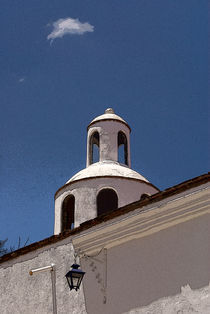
point(108, 143)
point(108, 115)
point(106, 168)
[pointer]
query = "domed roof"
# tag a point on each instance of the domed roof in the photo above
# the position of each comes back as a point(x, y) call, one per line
point(108, 115)
point(107, 169)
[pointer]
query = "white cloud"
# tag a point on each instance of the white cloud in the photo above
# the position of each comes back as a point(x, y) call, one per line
point(62, 27)
point(21, 80)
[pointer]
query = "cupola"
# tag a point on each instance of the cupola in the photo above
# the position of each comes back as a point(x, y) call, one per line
point(108, 139)
point(107, 182)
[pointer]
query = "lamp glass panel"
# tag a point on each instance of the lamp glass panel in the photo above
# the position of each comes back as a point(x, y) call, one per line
point(75, 281)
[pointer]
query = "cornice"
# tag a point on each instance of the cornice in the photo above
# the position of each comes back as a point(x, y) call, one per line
point(60, 190)
point(109, 119)
point(142, 223)
point(147, 204)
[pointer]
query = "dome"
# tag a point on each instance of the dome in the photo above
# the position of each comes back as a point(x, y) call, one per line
point(107, 169)
point(108, 115)
point(108, 182)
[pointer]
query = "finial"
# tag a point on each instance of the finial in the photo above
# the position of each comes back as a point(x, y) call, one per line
point(109, 110)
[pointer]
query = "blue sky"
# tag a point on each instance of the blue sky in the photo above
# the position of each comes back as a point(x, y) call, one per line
point(64, 62)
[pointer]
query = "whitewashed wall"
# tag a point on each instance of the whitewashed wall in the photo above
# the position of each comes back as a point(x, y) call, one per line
point(164, 272)
point(147, 275)
point(21, 293)
point(188, 301)
point(85, 193)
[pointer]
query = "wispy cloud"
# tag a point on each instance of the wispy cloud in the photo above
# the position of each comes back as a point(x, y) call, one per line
point(62, 27)
point(21, 80)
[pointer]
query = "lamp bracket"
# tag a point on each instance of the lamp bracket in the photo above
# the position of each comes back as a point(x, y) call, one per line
point(52, 269)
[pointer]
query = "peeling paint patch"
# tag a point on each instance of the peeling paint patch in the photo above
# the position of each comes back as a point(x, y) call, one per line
point(188, 301)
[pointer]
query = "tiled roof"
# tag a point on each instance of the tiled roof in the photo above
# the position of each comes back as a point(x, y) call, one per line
point(147, 200)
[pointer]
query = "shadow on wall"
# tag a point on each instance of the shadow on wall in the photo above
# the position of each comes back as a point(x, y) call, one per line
point(145, 270)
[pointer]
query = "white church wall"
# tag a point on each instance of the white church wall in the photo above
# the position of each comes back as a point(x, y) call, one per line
point(24, 294)
point(157, 262)
point(145, 274)
point(85, 193)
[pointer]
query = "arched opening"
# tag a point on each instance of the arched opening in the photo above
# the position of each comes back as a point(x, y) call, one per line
point(144, 196)
point(94, 148)
point(122, 148)
point(67, 221)
point(107, 200)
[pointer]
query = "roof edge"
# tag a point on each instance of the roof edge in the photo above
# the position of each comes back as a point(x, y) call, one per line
point(110, 119)
point(181, 187)
point(96, 177)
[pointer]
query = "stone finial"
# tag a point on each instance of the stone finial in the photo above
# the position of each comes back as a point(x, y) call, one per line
point(109, 110)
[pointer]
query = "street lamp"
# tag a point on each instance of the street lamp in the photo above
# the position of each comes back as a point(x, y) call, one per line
point(74, 277)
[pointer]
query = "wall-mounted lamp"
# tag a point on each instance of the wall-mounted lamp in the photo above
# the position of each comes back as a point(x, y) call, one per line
point(74, 277)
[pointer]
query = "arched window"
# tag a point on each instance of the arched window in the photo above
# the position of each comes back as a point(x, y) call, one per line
point(122, 148)
point(94, 148)
point(67, 222)
point(107, 200)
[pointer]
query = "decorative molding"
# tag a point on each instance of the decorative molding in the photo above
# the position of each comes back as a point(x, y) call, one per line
point(140, 223)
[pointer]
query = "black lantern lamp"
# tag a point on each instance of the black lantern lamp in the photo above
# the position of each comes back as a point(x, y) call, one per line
point(74, 277)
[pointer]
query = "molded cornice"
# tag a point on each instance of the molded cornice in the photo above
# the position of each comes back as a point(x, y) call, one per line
point(144, 222)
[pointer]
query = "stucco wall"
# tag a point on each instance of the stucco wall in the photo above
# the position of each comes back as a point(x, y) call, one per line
point(21, 293)
point(143, 271)
point(157, 262)
point(85, 193)
point(187, 302)
point(166, 273)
